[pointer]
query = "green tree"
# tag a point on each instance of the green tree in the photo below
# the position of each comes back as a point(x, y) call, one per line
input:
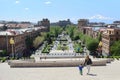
point(3, 53)
point(48, 38)
point(70, 31)
point(55, 30)
point(76, 38)
point(38, 40)
point(92, 45)
point(76, 34)
point(115, 49)
point(99, 36)
point(29, 45)
point(29, 42)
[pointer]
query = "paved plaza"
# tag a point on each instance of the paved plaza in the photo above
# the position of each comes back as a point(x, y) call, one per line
point(109, 72)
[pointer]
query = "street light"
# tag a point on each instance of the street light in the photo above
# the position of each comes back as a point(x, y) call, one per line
point(12, 42)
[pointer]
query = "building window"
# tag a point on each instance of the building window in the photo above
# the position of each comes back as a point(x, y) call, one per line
point(109, 32)
point(117, 39)
point(117, 33)
point(111, 39)
point(84, 31)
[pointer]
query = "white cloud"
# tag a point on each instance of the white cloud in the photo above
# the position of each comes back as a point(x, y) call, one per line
point(100, 17)
point(26, 8)
point(17, 2)
point(48, 2)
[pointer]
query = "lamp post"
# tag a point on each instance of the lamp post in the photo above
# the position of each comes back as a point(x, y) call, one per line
point(12, 43)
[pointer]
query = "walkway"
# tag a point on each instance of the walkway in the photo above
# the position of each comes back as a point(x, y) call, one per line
point(109, 72)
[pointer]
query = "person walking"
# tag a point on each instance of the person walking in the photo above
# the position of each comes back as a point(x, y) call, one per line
point(88, 63)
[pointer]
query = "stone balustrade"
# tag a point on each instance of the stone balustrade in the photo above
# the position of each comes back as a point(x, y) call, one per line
point(57, 63)
point(61, 55)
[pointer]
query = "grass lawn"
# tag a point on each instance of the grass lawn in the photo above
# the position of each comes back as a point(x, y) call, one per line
point(61, 47)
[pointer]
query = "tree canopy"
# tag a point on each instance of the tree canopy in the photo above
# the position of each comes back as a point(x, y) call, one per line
point(115, 48)
point(92, 45)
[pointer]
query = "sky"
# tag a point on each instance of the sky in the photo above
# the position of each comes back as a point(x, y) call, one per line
point(55, 10)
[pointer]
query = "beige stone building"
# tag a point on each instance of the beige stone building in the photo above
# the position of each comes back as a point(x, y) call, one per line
point(19, 36)
point(83, 23)
point(19, 43)
point(85, 28)
point(108, 37)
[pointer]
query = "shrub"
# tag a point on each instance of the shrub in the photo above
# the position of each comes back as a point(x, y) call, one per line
point(3, 59)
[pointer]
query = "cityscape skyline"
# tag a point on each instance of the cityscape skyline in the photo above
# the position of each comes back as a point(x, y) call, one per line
point(55, 10)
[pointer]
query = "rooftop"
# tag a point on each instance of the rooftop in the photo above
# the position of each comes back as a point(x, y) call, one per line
point(18, 31)
point(5, 33)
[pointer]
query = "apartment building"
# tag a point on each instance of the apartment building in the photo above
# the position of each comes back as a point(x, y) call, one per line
point(64, 23)
point(90, 29)
point(19, 36)
point(45, 23)
point(5, 42)
point(108, 37)
point(83, 22)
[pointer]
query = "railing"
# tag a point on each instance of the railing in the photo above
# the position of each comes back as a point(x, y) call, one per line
point(61, 55)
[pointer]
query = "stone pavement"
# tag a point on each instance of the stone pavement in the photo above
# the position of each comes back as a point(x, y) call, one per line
point(109, 72)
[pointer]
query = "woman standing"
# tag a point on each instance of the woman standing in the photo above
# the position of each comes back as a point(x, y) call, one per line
point(88, 63)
